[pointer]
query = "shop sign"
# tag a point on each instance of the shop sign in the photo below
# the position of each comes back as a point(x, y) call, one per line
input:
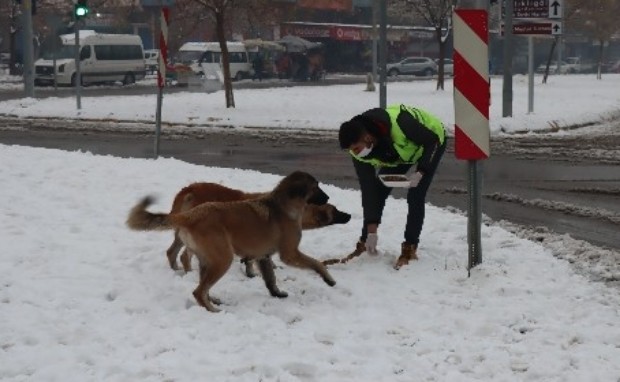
point(421, 35)
point(334, 5)
point(308, 31)
point(346, 34)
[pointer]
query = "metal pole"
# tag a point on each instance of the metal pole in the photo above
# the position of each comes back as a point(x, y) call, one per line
point(28, 48)
point(508, 37)
point(160, 98)
point(55, 50)
point(161, 81)
point(474, 178)
point(78, 74)
point(474, 217)
point(530, 74)
point(383, 54)
point(374, 40)
point(559, 60)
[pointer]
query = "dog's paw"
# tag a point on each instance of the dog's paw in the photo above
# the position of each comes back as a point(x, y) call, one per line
point(249, 268)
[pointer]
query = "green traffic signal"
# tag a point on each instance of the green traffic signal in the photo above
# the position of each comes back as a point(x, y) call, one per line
point(81, 9)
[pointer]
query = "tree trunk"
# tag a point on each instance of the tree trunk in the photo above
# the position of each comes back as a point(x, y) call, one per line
point(600, 59)
point(13, 29)
point(221, 37)
point(555, 41)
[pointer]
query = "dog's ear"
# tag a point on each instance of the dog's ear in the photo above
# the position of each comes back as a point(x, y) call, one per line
point(302, 185)
point(298, 190)
point(318, 196)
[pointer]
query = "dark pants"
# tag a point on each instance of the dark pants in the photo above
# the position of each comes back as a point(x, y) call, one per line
point(416, 197)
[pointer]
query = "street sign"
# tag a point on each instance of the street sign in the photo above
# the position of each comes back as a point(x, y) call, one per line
point(535, 9)
point(536, 28)
point(556, 9)
point(530, 9)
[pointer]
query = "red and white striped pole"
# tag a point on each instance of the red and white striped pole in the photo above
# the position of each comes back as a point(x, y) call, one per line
point(163, 47)
point(472, 98)
point(161, 73)
point(471, 84)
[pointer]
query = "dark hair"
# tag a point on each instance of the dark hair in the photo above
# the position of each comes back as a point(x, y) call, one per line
point(351, 131)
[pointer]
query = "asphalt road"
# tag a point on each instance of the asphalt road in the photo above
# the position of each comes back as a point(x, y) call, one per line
point(566, 184)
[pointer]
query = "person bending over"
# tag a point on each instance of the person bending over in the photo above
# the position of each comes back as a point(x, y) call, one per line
point(399, 139)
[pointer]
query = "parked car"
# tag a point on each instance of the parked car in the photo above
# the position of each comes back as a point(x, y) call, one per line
point(151, 60)
point(422, 66)
point(553, 68)
point(5, 58)
point(611, 67)
point(577, 65)
point(448, 66)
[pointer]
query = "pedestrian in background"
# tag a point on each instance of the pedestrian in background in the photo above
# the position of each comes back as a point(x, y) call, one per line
point(258, 66)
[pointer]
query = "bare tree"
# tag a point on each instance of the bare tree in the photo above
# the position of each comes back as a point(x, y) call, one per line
point(571, 12)
point(10, 11)
point(225, 13)
point(598, 20)
point(218, 10)
point(50, 14)
point(187, 17)
point(438, 15)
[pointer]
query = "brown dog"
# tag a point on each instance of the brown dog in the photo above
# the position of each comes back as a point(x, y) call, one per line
point(253, 229)
point(314, 216)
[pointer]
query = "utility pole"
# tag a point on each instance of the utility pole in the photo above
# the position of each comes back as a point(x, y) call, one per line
point(508, 37)
point(530, 74)
point(383, 54)
point(80, 10)
point(78, 74)
point(375, 5)
point(28, 48)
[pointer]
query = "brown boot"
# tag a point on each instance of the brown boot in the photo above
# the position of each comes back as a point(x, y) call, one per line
point(407, 254)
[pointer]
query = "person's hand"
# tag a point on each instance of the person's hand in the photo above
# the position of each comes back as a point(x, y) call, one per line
point(414, 179)
point(371, 243)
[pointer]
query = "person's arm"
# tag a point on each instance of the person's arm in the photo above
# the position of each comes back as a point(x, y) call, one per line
point(370, 186)
point(418, 133)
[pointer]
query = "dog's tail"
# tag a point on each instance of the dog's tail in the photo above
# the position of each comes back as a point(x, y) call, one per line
point(140, 219)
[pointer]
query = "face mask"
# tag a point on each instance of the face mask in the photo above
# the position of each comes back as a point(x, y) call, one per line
point(364, 152)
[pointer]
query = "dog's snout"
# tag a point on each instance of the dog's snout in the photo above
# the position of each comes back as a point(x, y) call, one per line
point(341, 217)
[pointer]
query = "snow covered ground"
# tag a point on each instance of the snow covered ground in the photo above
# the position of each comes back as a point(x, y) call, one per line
point(84, 299)
point(564, 102)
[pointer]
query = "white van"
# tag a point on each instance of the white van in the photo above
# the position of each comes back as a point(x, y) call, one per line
point(151, 60)
point(205, 58)
point(103, 58)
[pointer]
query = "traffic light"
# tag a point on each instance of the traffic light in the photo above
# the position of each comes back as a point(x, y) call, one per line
point(80, 10)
